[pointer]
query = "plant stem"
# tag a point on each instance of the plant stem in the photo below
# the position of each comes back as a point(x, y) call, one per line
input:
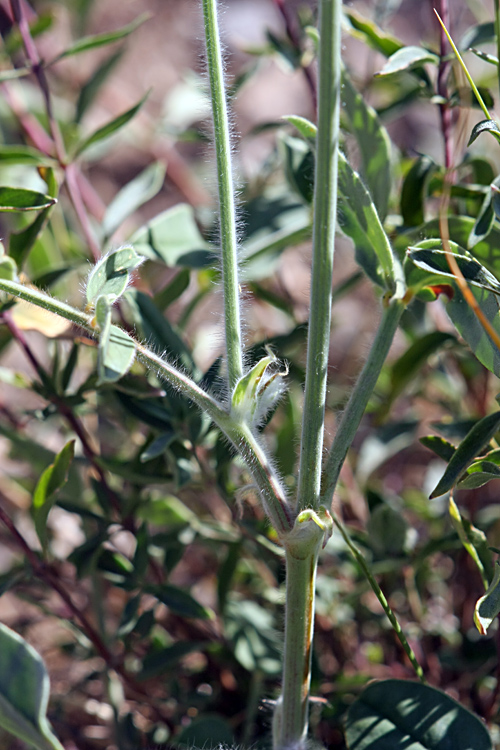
point(325, 209)
point(497, 34)
point(383, 601)
point(442, 87)
point(265, 477)
point(228, 238)
point(360, 396)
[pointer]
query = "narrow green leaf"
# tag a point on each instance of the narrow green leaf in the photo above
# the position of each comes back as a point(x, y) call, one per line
point(173, 237)
point(488, 606)
point(483, 33)
point(471, 538)
point(484, 126)
point(407, 58)
point(484, 222)
point(492, 59)
point(10, 75)
point(21, 199)
point(173, 290)
point(24, 692)
point(53, 478)
point(399, 713)
point(298, 161)
point(478, 474)
point(91, 88)
point(257, 391)
point(131, 197)
point(471, 329)
point(116, 355)
point(374, 145)
point(110, 128)
point(306, 128)
point(429, 257)
point(365, 29)
point(359, 219)
point(24, 155)
point(21, 243)
point(413, 193)
point(439, 446)
point(179, 601)
point(156, 663)
point(99, 40)
point(475, 441)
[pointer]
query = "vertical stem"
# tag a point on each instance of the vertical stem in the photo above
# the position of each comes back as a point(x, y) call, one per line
point(325, 208)
point(227, 212)
point(442, 86)
point(497, 34)
point(291, 718)
point(360, 396)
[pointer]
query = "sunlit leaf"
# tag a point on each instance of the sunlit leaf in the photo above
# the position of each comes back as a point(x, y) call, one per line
point(21, 199)
point(485, 126)
point(488, 606)
point(53, 478)
point(407, 58)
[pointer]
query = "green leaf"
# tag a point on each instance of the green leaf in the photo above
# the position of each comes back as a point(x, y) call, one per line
point(359, 219)
point(475, 441)
point(10, 75)
point(471, 329)
point(399, 713)
point(407, 58)
point(306, 128)
point(173, 237)
point(478, 474)
point(179, 601)
point(208, 732)
point(366, 30)
point(90, 89)
point(173, 290)
point(53, 478)
point(257, 391)
point(439, 446)
point(157, 662)
point(111, 275)
point(413, 193)
point(473, 540)
point(483, 33)
point(99, 40)
point(110, 128)
point(492, 59)
point(431, 258)
point(116, 355)
point(24, 692)
point(484, 222)
point(20, 199)
point(488, 606)
point(24, 155)
point(374, 145)
point(484, 126)
point(157, 329)
point(131, 197)
point(298, 161)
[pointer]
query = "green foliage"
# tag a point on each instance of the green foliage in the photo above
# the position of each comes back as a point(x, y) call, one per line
point(162, 526)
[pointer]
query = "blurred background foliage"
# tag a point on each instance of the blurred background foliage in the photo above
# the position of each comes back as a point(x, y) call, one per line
point(169, 632)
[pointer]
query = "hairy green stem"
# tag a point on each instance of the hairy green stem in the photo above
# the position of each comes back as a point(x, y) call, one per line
point(325, 209)
point(359, 398)
point(228, 236)
point(246, 443)
point(497, 34)
point(302, 546)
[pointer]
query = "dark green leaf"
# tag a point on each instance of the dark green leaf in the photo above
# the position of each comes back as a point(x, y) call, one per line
point(131, 197)
point(387, 530)
point(439, 446)
point(374, 145)
point(53, 478)
point(413, 193)
point(99, 40)
point(285, 49)
point(484, 126)
point(173, 290)
point(20, 199)
point(298, 161)
point(484, 222)
point(472, 445)
point(90, 89)
point(24, 692)
point(110, 128)
point(471, 329)
point(483, 33)
point(156, 328)
point(366, 30)
point(431, 258)
point(488, 606)
point(398, 713)
point(359, 219)
point(179, 601)
point(20, 243)
point(24, 155)
point(208, 732)
point(174, 238)
point(478, 474)
point(116, 354)
point(155, 663)
point(407, 58)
